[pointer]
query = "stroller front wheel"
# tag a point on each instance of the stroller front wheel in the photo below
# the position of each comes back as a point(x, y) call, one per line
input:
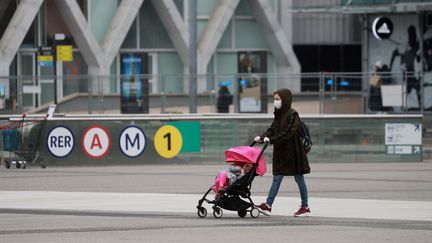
point(202, 212)
point(217, 212)
point(254, 213)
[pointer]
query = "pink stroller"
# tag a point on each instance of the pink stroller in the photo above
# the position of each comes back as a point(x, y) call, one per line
point(236, 197)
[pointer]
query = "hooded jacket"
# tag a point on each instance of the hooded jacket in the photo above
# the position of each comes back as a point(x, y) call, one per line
point(289, 156)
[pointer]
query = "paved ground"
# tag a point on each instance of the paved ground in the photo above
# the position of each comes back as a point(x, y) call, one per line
point(355, 202)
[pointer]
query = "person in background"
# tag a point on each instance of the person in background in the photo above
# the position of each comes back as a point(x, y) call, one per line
point(224, 100)
point(289, 155)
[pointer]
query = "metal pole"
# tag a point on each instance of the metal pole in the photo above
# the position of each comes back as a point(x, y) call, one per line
point(163, 100)
point(55, 71)
point(192, 56)
point(321, 92)
point(90, 90)
point(20, 94)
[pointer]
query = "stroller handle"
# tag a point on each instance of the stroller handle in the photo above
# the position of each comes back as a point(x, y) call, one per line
point(262, 150)
point(254, 143)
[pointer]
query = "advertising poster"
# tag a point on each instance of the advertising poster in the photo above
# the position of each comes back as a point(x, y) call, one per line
point(134, 88)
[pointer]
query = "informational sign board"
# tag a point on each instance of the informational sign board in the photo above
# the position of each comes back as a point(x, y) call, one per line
point(403, 138)
point(382, 28)
point(391, 95)
point(64, 53)
point(192, 131)
point(45, 56)
point(45, 60)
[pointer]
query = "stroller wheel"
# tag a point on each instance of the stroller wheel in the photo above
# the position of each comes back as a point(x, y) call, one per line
point(7, 165)
point(18, 165)
point(217, 212)
point(24, 165)
point(254, 213)
point(202, 212)
point(242, 213)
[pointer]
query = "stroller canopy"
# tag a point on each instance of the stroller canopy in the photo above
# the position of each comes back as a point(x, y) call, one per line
point(246, 154)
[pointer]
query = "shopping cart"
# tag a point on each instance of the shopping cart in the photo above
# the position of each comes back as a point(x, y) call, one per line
point(22, 140)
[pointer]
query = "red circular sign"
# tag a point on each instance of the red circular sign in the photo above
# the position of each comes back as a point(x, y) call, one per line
point(96, 141)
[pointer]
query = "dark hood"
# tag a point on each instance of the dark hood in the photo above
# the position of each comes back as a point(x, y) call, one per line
point(286, 97)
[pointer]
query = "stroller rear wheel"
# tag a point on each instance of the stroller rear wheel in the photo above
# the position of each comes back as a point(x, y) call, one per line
point(242, 213)
point(217, 212)
point(202, 212)
point(7, 165)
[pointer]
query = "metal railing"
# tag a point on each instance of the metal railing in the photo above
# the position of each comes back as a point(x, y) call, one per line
point(314, 93)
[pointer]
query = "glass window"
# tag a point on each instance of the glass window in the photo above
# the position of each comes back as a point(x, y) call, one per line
point(226, 63)
point(206, 7)
point(77, 67)
point(226, 40)
point(53, 23)
point(248, 34)
point(170, 64)
point(102, 13)
point(152, 31)
point(130, 40)
point(201, 25)
point(243, 8)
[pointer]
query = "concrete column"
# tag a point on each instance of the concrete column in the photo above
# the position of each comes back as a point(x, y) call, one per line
point(213, 33)
point(120, 25)
point(14, 35)
point(211, 37)
point(175, 26)
point(81, 32)
point(99, 57)
point(278, 42)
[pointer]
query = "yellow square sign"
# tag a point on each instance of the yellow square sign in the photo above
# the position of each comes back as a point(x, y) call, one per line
point(64, 53)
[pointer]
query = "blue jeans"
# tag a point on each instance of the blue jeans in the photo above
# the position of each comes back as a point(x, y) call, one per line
point(274, 189)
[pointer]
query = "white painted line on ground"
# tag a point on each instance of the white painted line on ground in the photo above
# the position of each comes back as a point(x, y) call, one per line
point(186, 203)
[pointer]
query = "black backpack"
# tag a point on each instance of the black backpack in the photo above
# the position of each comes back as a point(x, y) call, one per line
point(305, 136)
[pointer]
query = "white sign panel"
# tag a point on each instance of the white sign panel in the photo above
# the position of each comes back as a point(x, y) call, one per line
point(403, 134)
point(60, 141)
point(96, 141)
point(132, 141)
point(391, 95)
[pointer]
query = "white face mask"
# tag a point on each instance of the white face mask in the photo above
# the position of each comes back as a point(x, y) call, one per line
point(277, 104)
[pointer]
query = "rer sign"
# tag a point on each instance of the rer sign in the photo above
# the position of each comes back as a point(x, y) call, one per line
point(60, 141)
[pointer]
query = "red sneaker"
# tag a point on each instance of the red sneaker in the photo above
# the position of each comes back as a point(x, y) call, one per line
point(264, 209)
point(302, 212)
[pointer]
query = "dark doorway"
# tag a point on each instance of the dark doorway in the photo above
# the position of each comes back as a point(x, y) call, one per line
point(329, 59)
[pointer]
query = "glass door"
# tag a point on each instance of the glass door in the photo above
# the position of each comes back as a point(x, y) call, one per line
point(28, 86)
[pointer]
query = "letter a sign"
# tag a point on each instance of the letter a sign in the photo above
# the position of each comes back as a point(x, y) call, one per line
point(132, 141)
point(96, 142)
